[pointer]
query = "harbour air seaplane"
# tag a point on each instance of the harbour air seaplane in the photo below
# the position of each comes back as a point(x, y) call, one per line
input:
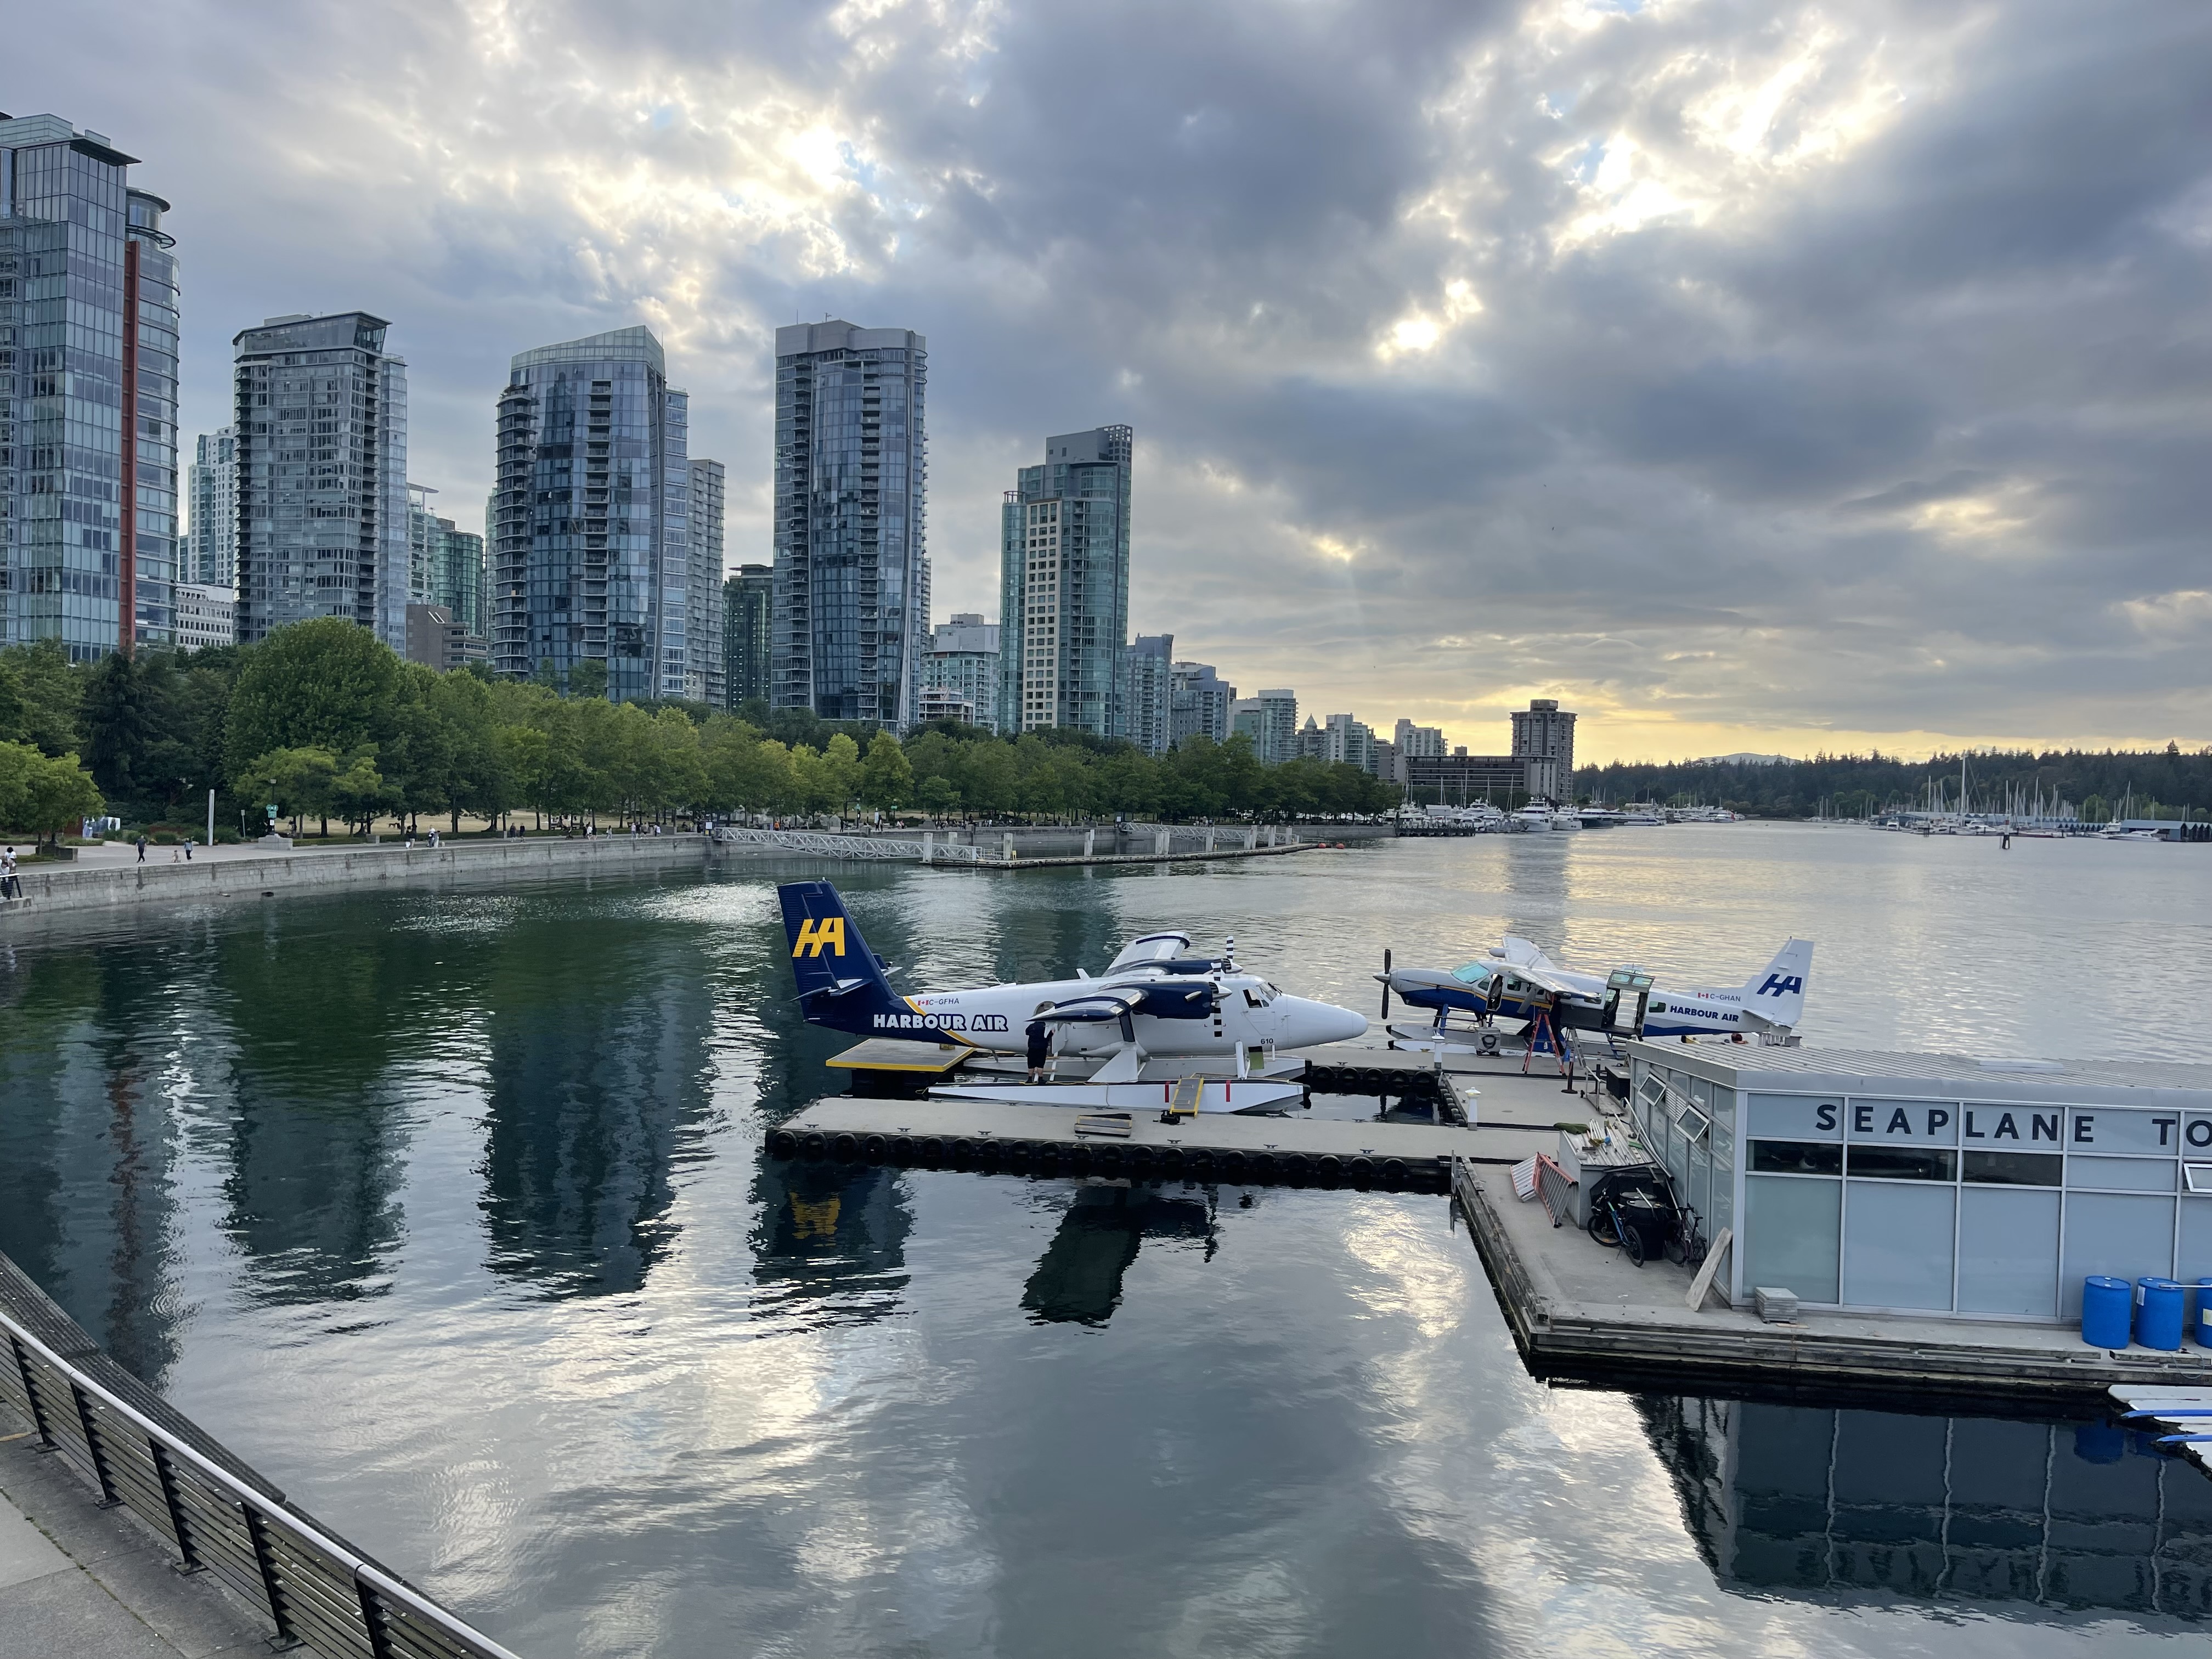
point(1518, 981)
point(1160, 1027)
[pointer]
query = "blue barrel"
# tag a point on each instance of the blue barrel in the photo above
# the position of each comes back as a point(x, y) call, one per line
point(2162, 1309)
point(2107, 1310)
point(2204, 1312)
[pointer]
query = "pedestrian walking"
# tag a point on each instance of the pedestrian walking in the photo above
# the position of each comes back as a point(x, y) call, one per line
point(142, 848)
point(11, 885)
point(188, 849)
point(433, 838)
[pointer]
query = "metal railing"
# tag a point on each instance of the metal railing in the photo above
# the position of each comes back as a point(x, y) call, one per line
point(313, 1589)
point(822, 844)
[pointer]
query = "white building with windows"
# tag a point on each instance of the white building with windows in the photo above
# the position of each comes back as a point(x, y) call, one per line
point(1933, 1184)
point(206, 616)
point(210, 558)
point(960, 672)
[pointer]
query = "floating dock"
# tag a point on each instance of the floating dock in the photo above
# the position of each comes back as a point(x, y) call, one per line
point(2172, 1411)
point(1421, 1120)
point(1581, 1311)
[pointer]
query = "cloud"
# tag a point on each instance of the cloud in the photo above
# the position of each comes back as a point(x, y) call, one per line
point(1759, 373)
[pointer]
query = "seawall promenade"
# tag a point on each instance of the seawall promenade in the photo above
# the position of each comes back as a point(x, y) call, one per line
point(242, 873)
point(111, 878)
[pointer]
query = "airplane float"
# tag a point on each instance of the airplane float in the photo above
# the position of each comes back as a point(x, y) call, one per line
point(1518, 982)
point(1160, 1027)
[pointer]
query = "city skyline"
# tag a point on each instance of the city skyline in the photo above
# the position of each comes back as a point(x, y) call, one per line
point(1582, 376)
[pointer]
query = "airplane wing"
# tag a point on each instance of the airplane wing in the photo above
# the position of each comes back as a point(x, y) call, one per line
point(1095, 1007)
point(1549, 979)
point(1156, 1001)
point(1523, 954)
point(1153, 947)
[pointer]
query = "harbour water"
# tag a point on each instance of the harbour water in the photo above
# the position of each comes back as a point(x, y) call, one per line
point(451, 1213)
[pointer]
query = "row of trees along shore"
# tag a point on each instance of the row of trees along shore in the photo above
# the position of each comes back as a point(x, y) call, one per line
point(2167, 783)
point(329, 725)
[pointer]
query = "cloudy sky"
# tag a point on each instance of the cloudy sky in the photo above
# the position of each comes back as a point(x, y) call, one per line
point(1776, 377)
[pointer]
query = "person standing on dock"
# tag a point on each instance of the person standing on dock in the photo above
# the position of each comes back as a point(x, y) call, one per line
point(1040, 1048)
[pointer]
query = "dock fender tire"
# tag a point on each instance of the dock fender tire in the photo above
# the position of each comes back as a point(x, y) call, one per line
point(874, 1147)
point(1328, 1169)
point(1173, 1159)
point(783, 1142)
point(845, 1147)
point(932, 1149)
point(1201, 1161)
point(1394, 1172)
point(1297, 1169)
point(1106, 1158)
point(901, 1148)
point(962, 1153)
point(815, 1146)
point(1235, 1165)
point(1362, 1172)
point(1078, 1160)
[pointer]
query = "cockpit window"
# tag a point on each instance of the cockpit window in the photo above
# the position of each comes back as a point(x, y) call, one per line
point(1259, 998)
point(1474, 974)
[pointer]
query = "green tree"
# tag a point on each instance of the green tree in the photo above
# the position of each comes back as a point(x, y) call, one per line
point(587, 678)
point(838, 772)
point(886, 779)
point(326, 684)
point(299, 781)
point(61, 795)
point(938, 797)
point(357, 792)
point(47, 689)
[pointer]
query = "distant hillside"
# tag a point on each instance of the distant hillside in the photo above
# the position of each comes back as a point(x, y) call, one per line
point(1774, 785)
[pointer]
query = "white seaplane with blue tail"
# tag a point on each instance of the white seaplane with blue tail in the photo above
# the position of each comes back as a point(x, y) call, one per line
point(1161, 1027)
point(1518, 981)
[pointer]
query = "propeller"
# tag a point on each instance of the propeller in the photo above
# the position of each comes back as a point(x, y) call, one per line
point(1385, 978)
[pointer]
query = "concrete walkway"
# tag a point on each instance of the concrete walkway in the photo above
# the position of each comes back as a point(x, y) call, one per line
point(77, 1582)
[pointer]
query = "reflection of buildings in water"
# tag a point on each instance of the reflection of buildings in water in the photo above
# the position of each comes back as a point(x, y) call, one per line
point(833, 1231)
point(1790, 1498)
point(315, 1151)
point(87, 1182)
point(595, 1083)
point(1078, 1279)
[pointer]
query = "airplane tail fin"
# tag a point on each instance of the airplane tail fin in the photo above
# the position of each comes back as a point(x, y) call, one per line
point(841, 980)
point(1776, 992)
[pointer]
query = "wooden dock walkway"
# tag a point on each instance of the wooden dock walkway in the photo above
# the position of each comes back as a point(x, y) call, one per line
point(1420, 1120)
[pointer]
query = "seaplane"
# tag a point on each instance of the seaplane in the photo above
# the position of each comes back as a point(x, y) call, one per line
point(1161, 1028)
point(1518, 981)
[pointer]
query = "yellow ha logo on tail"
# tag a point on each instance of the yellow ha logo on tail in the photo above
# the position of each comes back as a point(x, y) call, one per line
point(816, 937)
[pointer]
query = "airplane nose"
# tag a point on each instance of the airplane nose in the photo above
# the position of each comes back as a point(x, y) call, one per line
point(1323, 1022)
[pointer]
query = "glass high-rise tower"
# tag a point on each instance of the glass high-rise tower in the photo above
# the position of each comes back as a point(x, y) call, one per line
point(1064, 588)
point(321, 429)
point(851, 490)
point(590, 542)
point(748, 608)
point(211, 557)
point(703, 680)
point(88, 395)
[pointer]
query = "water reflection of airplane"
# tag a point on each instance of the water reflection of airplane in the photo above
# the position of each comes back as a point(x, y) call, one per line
point(832, 1230)
point(1784, 1498)
point(1078, 1279)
